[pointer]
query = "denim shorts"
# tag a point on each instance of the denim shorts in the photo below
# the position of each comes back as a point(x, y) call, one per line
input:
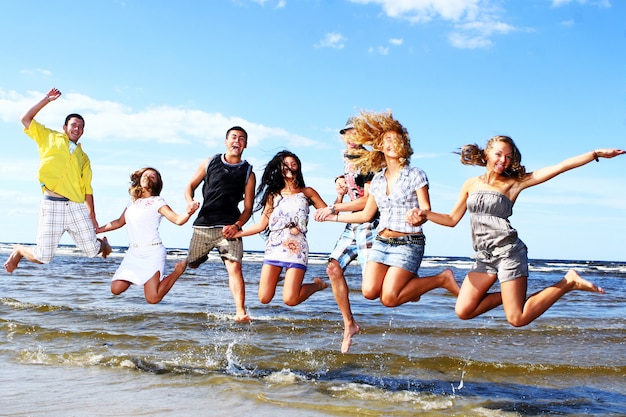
point(405, 252)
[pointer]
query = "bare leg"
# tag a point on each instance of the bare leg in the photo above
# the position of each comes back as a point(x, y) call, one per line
point(119, 286)
point(341, 293)
point(474, 298)
point(400, 286)
point(294, 292)
point(16, 256)
point(155, 289)
point(237, 289)
point(521, 311)
point(373, 278)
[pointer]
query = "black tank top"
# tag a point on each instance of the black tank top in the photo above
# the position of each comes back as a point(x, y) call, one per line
point(223, 189)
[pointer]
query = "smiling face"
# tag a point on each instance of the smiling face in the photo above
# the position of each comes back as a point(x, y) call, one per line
point(151, 182)
point(499, 157)
point(348, 138)
point(148, 178)
point(236, 141)
point(74, 128)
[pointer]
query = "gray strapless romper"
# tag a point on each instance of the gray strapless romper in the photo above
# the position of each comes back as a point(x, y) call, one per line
point(498, 248)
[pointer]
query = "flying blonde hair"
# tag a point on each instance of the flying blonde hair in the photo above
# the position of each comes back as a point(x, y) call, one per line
point(369, 129)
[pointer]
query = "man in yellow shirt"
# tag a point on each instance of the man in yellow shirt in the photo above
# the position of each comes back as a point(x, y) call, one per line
point(65, 177)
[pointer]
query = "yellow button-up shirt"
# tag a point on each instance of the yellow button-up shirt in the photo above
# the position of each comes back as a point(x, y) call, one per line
point(67, 174)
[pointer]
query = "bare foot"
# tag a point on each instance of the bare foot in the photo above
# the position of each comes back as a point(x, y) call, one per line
point(14, 259)
point(449, 283)
point(105, 248)
point(349, 331)
point(179, 268)
point(578, 283)
point(320, 284)
point(244, 318)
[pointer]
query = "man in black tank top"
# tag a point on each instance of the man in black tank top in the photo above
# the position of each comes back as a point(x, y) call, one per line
point(228, 180)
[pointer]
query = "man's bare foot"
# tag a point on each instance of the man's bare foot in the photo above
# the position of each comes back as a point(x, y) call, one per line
point(449, 283)
point(13, 260)
point(242, 318)
point(320, 284)
point(349, 331)
point(578, 283)
point(105, 248)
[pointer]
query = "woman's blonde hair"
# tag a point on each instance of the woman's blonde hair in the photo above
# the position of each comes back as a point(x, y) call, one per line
point(369, 129)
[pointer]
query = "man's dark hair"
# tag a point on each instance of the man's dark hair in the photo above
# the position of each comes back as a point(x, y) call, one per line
point(240, 129)
point(76, 115)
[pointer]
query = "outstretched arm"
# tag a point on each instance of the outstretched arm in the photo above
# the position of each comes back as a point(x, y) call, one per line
point(261, 225)
point(113, 224)
point(365, 215)
point(52, 95)
point(178, 219)
point(547, 173)
point(414, 216)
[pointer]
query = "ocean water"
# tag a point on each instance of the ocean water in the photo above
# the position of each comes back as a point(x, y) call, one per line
point(70, 348)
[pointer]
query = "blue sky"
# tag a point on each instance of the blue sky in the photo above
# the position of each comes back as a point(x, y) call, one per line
point(159, 83)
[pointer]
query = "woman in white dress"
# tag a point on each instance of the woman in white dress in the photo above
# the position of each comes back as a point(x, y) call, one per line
point(144, 262)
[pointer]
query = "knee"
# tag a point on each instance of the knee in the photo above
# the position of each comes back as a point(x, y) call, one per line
point(389, 300)
point(516, 320)
point(370, 294)
point(334, 271)
point(152, 299)
point(265, 299)
point(291, 302)
point(462, 312)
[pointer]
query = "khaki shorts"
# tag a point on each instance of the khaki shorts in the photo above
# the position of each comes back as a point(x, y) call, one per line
point(204, 239)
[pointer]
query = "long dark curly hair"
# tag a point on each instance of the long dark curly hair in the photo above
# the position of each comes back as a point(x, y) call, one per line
point(136, 189)
point(474, 155)
point(273, 181)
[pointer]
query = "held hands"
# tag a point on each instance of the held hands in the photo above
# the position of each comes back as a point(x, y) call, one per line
point(416, 217)
point(192, 207)
point(323, 214)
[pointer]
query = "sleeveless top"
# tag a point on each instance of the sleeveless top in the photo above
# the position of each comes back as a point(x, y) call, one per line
point(489, 221)
point(223, 190)
point(286, 244)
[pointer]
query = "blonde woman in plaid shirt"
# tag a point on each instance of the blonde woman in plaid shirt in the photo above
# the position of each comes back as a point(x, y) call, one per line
point(391, 272)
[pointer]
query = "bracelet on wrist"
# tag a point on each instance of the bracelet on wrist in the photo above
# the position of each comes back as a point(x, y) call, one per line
point(237, 226)
point(595, 156)
point(332, 209)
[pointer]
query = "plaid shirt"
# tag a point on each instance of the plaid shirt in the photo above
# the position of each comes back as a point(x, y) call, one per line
point(402, 198)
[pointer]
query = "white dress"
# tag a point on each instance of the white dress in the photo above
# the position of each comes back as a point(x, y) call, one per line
point(146, 253)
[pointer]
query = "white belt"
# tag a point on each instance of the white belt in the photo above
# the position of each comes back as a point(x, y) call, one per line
point(135, 245)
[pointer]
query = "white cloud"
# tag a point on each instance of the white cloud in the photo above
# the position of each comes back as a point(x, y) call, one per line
point(36, 71)
point(332, 40)
point(396, 41)
point(474, 21)
point(598, 3)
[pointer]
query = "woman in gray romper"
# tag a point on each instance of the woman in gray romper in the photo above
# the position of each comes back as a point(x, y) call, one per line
point(500, 254)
